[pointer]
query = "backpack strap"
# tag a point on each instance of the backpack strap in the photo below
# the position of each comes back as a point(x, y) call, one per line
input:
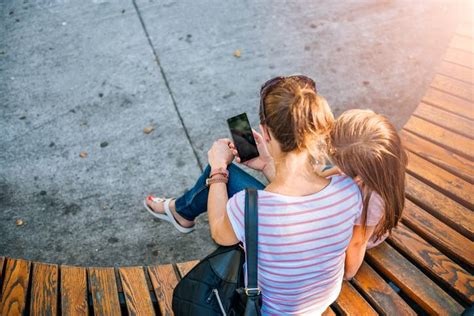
point(251, 240)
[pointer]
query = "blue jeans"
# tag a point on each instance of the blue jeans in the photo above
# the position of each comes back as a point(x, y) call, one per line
point(194, 201)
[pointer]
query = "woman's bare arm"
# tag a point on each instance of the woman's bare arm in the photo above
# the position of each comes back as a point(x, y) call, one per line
point(219, 223)
point(220, 156)
point(356, 251)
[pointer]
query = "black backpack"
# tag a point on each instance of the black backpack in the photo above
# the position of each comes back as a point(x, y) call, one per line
point(215, 286)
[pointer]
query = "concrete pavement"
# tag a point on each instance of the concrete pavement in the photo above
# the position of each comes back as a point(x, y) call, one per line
point(89, 76)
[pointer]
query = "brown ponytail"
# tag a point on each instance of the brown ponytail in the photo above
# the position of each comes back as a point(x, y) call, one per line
point(298, 117)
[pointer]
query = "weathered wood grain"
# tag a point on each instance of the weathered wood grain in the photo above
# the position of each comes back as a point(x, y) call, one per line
point(15, 287)
point(458, 189)
point(350, 302)
point(447, 120)
point(439, 234)
point(164, 280)
point(103, 288)
point(459, 57)
point(440, 206)
point(412, 281)
point(328, 312)
point(456, 71)
point(452, 86)
point(185, 267)
point(73, 291)
point(446, 159)
point(44, 291)
point(2, 265)
point(452, 141)
point(135, 289)
point(440, 267)
point(449, 103)
point(379, 294)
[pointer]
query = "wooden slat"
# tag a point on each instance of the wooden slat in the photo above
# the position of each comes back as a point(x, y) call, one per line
point(465, 29)
point(441, 136)
point(185, 267)
point(412, 281)
point(450, 121)
point(449, 103)
point(328, 312)
point(439, 234)
point(442, 207)
point(462, 43)
point(459, 57)
point(44, 291)
point(456, 143)
point(350, 302)
point(436, 263)
point(164, 280)
point(453, 86)
point(2, 265)
point(452, 162)
point(456, 71)
point(135, 289)
point(73, 291)
point(380, 295)
point(442, 180)
point(103, 288)
point(15, 287)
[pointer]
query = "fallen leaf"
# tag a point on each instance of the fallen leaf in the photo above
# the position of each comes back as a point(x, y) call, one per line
point(237, 53)
point(19, 222)
point(148, 130)
point(83, 154)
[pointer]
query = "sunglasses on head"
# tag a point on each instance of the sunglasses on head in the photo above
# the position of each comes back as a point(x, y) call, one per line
point(270, 84)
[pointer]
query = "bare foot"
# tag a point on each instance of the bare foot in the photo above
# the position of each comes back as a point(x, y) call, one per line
point(158, 207)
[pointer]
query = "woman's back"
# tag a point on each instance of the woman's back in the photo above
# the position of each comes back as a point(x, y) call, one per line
point(302, 243)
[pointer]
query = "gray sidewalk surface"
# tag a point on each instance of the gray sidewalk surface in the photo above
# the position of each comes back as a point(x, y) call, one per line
point(89, 76)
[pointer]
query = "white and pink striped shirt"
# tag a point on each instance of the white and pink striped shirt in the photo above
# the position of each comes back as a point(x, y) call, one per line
point(302, 244)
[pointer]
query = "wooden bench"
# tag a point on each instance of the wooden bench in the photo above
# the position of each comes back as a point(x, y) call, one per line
point(426, 266)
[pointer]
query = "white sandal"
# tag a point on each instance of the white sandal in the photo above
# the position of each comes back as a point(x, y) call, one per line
point(168, 216)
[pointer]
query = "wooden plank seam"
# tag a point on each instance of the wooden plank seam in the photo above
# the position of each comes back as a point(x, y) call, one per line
point(29, 288)
point(427, 272)
point(435, 178)
point(154, 300)
point(462, 133)
point(428, 258)
point(58, 293)
point(2, 276)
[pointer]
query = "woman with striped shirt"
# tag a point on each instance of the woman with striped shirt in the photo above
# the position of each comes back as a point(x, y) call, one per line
point(305, 220)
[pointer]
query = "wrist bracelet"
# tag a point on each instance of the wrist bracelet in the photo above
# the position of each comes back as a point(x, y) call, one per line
point(221, 171)
point(210, 181)
point(225, 175)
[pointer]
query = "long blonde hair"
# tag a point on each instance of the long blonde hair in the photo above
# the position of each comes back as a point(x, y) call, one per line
point(367, 145)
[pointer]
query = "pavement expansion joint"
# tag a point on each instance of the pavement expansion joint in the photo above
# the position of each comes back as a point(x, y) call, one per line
point(168, 87)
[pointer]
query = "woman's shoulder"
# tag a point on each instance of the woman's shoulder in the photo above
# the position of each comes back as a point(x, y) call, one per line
point(342, 181)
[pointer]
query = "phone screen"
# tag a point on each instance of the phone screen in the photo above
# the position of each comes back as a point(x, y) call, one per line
point(243, 137)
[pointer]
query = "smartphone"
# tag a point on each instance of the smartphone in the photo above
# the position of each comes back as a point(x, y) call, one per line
point(243, 137)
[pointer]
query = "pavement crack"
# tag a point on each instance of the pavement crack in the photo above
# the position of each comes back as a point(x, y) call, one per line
point(167, 84)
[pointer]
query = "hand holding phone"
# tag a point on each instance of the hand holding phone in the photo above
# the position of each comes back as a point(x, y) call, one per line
point(259, 162)
point(243, 137)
